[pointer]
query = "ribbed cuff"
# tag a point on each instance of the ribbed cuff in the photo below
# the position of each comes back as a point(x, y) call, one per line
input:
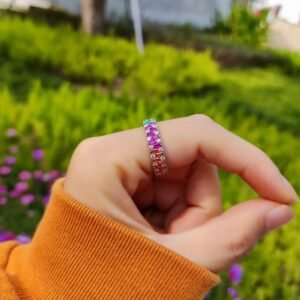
point(77, 253)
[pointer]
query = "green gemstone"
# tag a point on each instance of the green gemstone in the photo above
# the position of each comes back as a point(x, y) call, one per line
point(148, 121)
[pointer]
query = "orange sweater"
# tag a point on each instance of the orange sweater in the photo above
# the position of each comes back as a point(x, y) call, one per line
point(77, 253)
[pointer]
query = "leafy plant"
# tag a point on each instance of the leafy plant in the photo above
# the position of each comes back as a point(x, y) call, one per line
point(104, 60)
point(166, 71)
point(244, 26)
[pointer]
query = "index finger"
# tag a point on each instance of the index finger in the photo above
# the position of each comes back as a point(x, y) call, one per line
point(185, 139)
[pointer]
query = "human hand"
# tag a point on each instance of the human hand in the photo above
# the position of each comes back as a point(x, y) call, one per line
point(182, 211)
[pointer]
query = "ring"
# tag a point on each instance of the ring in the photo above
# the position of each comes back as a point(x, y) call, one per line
point(156, 149)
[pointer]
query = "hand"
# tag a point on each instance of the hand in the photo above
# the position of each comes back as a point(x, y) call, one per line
point(182, 211)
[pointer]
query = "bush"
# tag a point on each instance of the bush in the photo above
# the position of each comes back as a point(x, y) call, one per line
point(82, 58)
point(228, 51)
point(166, 71)
point(243, 26)
point(267, 94)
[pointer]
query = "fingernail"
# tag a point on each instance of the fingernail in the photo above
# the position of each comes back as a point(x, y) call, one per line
point(279, 216)
point(294, 196)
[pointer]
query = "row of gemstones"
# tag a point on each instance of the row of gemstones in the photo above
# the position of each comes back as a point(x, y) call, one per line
point(155, 146)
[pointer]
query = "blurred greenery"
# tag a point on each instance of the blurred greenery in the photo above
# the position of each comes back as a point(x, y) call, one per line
point(59, 86)
point(228, 48)
point(243, 26)
point(82, 58)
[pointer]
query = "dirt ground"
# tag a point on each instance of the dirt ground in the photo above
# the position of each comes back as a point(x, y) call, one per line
point(284, 35)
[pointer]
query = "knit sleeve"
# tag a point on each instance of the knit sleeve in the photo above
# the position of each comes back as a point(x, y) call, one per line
point(77, 253)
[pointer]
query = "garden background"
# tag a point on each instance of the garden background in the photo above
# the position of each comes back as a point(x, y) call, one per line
point(59, 85)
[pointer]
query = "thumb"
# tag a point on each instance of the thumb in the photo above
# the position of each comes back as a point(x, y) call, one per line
point(230, 236)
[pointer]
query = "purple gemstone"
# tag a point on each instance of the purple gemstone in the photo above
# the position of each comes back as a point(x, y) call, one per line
point(157, 145)
point(153, 136)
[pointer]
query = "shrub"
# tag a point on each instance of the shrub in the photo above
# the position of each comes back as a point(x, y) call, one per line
point(243, 26)
point(164, 70)
point(267, 94)
point(105, 60)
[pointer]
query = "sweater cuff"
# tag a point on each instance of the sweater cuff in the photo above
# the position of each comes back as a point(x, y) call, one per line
point(77, 253)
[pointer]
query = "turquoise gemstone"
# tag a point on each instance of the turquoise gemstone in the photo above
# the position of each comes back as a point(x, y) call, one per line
point(148, 121)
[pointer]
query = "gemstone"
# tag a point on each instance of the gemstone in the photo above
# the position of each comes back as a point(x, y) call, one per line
point(148, 121)
point(152, 135)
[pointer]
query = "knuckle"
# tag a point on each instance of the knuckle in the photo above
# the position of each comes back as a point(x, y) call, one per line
point(85, 146)
point(91, 147)
point(201, 119)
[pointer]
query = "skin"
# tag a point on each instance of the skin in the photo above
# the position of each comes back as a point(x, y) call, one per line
point(182, 211)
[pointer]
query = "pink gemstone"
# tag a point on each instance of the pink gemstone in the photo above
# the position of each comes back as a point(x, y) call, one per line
point(152, 142)
point(152, 135)
point(157, 145)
